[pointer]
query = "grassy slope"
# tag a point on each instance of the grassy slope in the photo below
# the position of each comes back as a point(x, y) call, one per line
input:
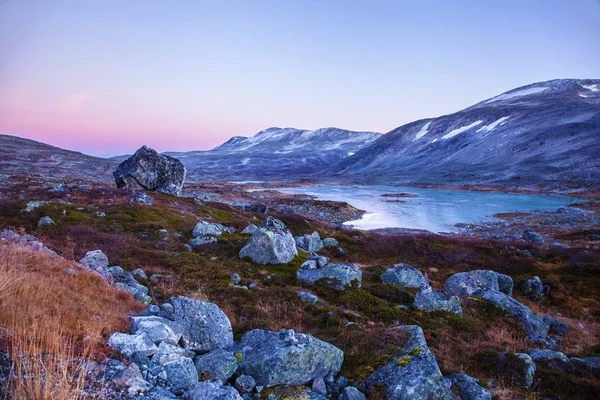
point(129, 235)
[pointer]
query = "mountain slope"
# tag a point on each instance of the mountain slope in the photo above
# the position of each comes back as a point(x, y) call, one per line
point(275, 153)
point(544, 134)
point(19, 156)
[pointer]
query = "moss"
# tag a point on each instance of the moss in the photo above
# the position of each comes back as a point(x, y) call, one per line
point(238, 357)
point(415, 352)
point(403, 361)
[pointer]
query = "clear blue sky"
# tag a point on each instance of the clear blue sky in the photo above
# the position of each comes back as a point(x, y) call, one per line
point(105, 77)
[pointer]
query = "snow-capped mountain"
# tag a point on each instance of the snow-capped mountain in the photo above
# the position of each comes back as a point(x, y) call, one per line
point(545, 134)
point(275, 153)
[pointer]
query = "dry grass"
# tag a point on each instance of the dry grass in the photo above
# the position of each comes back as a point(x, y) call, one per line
point(53, 322)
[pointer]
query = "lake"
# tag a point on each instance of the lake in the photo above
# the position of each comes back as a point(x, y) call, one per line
point(434, 210)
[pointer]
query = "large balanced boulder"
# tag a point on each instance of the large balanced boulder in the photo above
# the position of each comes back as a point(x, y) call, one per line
point(148, 170)
point(338, 276)
point(271, 243)
point(464, 284)
point(404, 276)
point(413, 374)
point(286, 357)
point(205, 326)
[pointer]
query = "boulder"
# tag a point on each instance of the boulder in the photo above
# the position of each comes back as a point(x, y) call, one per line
point(517, 367)
point(139, 273)
point(272, 243)
point(463, 284)
point(467, 388)
point(181, 374)
point(46, 221)
point(404, 276)
point(204, 228)
point(590, 365)
point(351, 393)
point(168, 352)
point(307, 297)
point(235, 279)
point(211, 391)
point(413, 374)
point(157, 328)
point(205, 326)
point(309, 243)
point(250, 229)
point(245, 384)
point(532, 289)
point(32, 205)
point(550, 359)
point(148, 170)
point(139, 292)
point(217, 364)
point(338, 276)
point(129, 344)
point(557, 327)
point(95, 260)
point(532, 237)
point(286, 357)
point(132, 379)
point(330, 242)
point(435, 300)
point(201, 241)
point(142, 197)
point(535, 327)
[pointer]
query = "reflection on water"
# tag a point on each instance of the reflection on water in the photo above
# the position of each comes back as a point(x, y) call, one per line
point(434, 210)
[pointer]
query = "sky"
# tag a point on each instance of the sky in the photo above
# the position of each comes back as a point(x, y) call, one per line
point(105, 77)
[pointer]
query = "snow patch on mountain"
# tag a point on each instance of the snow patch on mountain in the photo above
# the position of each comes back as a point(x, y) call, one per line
point(593, 88)
point(488, 128)
point(458, 131)
point(423, 131)
point(518, 93)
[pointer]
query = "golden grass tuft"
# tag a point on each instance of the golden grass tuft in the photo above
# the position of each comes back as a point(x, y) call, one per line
point(52, 323)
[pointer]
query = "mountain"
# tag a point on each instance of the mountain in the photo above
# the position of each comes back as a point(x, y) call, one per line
point(19, 156)
point(545, 134)
point(275, 153)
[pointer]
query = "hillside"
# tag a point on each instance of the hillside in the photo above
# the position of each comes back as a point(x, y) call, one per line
point(544, 134)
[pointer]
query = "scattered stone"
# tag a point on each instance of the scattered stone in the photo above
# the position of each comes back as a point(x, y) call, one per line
point(217, 364)
point(95, 260)
point(201, 241)
point(404, 276)
point(467, 387)
point(272, 243)
point(464, 284)
point(558, 245)
point(533, 237)
point(32, 205)
point(181, 374)
point(142, 197)
point(245, 384)
point(307, 297)
point(46, 221)
point(435, 300)
point(294, 393)
point(158, 329)
point(351, 393)
point(205, 326)
point(552, 359)
point(250, 229)
point(129, 344)
point(330, 242)
point(168, 352)
point(532, 289)
point(9, 235)
point(204, 228)
point(286, 357)
point(586, 364)
point(100, 214)
point(131, 378)
point(518, 367)
point(309, 243)
point(413, 375)
point(148, 170)
point(318, 386)
point(211, 391)
point(235, 279)
point(336, 275)
point(139, 273)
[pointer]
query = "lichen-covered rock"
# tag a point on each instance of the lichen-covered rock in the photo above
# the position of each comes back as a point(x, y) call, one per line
point(517, 367)
point(168, 352)
point(587, 364)
point(272, 243)
point(32, 205)
point(245, 384)
point(250, 229)
point(211, 391)
point(46, 221)
point(550, 359)
point(157, 328)
point(404, 276)
point(139, 292)
point(309, 243)
point(532, 288)
point(217, 364)
point(413, 374)
point(294, 393)
point(95, 260)
point(286, 357)
point(467, 388)
point(307, 297)
point(557, 327)
point(463, 284)
point(535, 328)
point(330, 242)
point(435, 300)
point(338, 276)
point(205, 326)
point(201, 241)
point(204, 228)
point(533, 237)
point(147, 169)
point(139, 273)
point(351, 393)
point(129, 344)
point(181, 374)
point(132, 379)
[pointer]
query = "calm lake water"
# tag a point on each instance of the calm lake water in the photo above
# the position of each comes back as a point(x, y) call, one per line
point(434, 210)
